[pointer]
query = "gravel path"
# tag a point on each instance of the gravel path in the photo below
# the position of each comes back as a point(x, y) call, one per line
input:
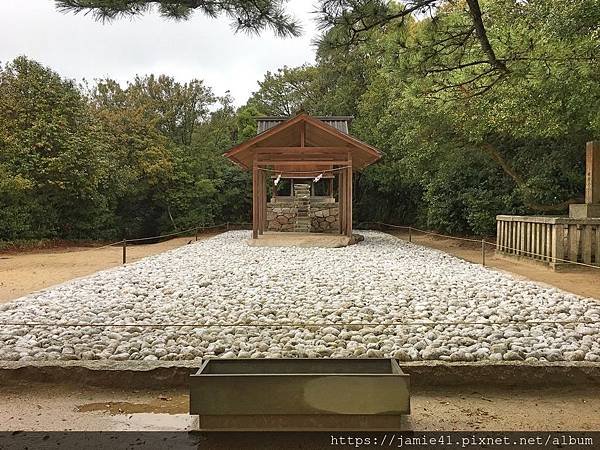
point(382, 280)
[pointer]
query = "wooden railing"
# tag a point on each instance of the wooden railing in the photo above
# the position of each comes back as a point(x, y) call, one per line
point(549, 239)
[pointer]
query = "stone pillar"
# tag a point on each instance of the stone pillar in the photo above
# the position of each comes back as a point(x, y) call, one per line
point(591, 207)
point(592, 173)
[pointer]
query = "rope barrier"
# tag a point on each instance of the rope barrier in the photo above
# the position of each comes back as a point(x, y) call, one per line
point(483, 241)
point(101, 247)
point(298, 324)
point(300, 172)
point(124, 242)
point(429, 232)
point(175, 233)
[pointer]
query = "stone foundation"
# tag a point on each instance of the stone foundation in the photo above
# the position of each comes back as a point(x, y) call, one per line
point(281, 216)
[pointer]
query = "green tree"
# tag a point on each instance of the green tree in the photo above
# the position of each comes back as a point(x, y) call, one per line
point(51, 151)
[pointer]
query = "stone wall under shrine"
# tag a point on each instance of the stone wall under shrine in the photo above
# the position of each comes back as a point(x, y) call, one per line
point(281, 216)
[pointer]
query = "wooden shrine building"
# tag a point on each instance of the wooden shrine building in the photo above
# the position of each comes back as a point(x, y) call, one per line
point(302, 173)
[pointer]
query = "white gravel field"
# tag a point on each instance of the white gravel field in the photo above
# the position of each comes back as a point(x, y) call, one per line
point(401, 288)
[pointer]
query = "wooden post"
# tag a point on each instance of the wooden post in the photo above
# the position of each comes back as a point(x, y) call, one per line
point(196, 233)
point(548, 250)
point(498, 233)
point(521, 244)
point(573, 240)
point(586, 244)
point(254, 201)
point(528, 240)
point(533, 234)
point(409, 234)
point(544, 242)
point(227, 226)
point(483, 252)
point(124, 251)
point(558, 249)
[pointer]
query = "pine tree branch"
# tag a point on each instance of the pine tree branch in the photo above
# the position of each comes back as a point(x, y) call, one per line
point(251, 16)
point(481, 33)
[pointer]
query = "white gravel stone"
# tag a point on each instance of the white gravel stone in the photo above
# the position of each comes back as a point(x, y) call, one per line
point(401, 288)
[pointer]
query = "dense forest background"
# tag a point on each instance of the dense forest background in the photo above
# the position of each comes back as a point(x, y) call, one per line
point(468, 129)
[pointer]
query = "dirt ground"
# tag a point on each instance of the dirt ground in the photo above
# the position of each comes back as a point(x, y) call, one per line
point(61, 408)
point(579, 280)
point(26, 272)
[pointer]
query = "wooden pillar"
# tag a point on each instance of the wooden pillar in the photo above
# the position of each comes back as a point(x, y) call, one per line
point(349, 197)
point(261, 200)
point(266, 178)
point(598, 245)
point(255, 201)
point(341, 190)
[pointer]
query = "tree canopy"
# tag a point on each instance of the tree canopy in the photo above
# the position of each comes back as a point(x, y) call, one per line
point(463, 138)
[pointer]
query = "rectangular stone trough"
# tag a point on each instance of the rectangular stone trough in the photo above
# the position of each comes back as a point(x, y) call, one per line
point(299, 394)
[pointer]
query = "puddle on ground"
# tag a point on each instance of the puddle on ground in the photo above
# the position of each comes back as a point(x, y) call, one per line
point(161, 413)
point(159, 405)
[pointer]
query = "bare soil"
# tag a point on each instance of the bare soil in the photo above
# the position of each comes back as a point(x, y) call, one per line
point(578, 280)
point(32, 407)
point(27, 271)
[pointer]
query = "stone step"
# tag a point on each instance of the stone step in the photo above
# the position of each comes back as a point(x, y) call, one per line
point(302, 205)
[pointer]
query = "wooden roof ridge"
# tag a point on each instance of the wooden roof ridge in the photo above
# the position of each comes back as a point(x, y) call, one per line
point(284, 118)
point(292, 121)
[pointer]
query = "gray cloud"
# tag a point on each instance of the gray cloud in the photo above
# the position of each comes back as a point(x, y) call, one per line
point(78, 47)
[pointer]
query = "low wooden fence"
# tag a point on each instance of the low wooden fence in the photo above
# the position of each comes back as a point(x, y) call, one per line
point(551, 240)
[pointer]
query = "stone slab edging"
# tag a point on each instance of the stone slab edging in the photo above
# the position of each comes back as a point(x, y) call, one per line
point(174, 374)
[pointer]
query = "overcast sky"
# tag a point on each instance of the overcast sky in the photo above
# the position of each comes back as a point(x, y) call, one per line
point(78, 47)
